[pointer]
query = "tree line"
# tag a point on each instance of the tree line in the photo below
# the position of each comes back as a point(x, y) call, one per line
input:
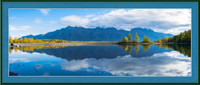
point(130, 40)
point(31, 40)
point(183, 37)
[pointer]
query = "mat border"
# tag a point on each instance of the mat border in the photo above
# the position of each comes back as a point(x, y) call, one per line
point(124, 82)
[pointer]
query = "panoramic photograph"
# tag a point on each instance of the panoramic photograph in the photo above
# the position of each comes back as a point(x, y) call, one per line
point(99, 42)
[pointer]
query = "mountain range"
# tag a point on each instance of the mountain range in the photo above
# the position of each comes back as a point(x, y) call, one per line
point(98, 34)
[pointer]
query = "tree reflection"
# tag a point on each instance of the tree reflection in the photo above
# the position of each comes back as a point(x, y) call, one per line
point(137, 50)
point(146, 46)
point(182, 48)
point(129, 47)
point(15, 49)
point(10, 50)
point(31, 48)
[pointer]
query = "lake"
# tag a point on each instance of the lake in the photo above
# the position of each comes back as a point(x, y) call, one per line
point(112, 60)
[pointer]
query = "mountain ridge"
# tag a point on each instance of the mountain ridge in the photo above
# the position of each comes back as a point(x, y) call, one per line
point(98, 34)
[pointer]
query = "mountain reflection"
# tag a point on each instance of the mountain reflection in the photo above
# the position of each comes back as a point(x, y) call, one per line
point(81, 52)
point(122, 60)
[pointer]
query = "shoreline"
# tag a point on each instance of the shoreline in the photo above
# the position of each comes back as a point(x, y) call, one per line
point(80, 44)
point(62, 44)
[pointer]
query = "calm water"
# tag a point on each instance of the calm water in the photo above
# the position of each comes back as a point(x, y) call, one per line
point(123, 60)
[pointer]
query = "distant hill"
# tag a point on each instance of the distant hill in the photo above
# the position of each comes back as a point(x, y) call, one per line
point(98, 34)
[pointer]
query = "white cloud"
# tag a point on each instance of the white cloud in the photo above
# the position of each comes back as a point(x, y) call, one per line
point(160, 64)
point(38, 21)
point(18, 28)
point(44, 11)
point(74, 65)
point(74, 21)
point(16, 60)
point(88, 16)
point(159, 20)
point(52, 22)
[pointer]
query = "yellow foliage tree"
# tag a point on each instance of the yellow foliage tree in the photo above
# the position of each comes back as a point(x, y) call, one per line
point(10, 40)
point(30, 40)
point(125, 39)
point(52, 42)
point(15, 40)
point(166, 39)
point(137, 36)
point(159, 41)
point(21, 40)
point(25, 40)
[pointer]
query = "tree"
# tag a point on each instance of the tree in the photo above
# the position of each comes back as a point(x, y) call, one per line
point(30, 40)
point(159, 41)
point(146, 39)
point(136, 35)
point(21, 40)
point(166, 39)
point(129, 37)
point(10, 40)
point(182, 36)
point(25, 40)
point(15, 40)
point(52, 41)
point(125, 39)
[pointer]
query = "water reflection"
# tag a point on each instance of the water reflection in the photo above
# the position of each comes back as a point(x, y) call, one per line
point(82, 52)
point(161, 64)
point(31, 48)
point(182, 48)
point(122, 60)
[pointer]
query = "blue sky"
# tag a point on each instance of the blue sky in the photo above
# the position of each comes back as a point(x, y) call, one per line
point(40, 21)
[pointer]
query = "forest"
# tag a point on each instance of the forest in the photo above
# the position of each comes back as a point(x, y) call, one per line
point(183, 37)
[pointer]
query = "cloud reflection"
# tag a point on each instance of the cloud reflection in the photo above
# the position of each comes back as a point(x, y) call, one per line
point(160, 64)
